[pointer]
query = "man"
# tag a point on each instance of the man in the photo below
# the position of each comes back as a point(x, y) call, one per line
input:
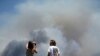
point(53, 49)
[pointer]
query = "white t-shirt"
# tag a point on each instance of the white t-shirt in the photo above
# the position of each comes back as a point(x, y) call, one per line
point(54, 50)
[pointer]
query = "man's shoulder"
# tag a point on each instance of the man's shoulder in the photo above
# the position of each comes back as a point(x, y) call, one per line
point(53, 47)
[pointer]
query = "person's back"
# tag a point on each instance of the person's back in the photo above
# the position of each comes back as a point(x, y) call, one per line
point(53, 49)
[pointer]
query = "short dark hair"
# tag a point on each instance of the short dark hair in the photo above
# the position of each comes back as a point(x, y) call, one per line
point(52, 43)
point(30, 45)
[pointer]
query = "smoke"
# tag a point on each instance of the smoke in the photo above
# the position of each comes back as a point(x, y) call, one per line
point(18, 48)
point(39, 36)
point(15, 48)
point(74, 25)
point(72, 17)
point(42, 37)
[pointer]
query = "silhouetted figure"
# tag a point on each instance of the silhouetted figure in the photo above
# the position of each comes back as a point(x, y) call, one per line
point(31, 48)
point(53, 49)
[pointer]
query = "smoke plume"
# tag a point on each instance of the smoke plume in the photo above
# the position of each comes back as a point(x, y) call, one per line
point(69, 22)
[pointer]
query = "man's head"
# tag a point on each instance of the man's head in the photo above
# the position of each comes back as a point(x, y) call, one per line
point(52, 43)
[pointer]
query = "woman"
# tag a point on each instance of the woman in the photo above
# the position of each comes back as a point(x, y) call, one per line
point(31, 49)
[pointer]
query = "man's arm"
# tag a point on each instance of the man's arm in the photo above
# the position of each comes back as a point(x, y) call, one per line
point(58, 54)
point(48, 53)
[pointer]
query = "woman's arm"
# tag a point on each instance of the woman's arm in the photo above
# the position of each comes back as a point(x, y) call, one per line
point(27, 46)
point(34, 50)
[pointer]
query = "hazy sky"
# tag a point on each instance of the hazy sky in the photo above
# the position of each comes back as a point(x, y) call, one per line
point(8, 7)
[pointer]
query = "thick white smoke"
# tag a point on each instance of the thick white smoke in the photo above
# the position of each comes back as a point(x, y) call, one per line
point(72, 17)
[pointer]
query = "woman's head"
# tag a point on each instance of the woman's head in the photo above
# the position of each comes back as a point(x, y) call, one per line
point(52, 43)
point(30, 45)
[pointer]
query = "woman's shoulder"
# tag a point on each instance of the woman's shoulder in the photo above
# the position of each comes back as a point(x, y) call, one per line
point(28, 50)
